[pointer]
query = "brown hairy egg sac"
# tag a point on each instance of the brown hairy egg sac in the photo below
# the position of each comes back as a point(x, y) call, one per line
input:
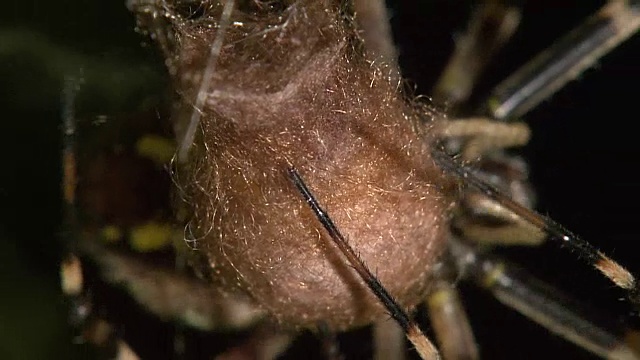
point(291, 87)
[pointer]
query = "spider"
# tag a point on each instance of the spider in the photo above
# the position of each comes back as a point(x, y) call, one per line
point(320, 200)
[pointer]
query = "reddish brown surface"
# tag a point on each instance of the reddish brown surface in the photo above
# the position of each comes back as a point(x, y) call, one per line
point(291, 88)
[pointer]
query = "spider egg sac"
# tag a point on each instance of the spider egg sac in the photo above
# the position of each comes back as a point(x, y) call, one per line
point(291, 87)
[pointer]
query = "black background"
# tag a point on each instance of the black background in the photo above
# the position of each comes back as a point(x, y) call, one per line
point(583, 155)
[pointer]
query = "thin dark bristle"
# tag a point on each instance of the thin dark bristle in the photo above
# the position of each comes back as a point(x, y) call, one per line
point(372, 282)
point(592, 256)
point(411, 329)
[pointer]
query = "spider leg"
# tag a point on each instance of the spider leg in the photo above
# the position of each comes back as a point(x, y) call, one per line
point(491, 25)
point(174, 296)
point(539, 79)
point(565, 60)
point(552, 69)
point(449, 319)
point(163, 292)
point(372, 20)
point(484, 220)
point(479, 218)
point(484, 135)
point(615, 272)
point(541, 304)
point(91, 328)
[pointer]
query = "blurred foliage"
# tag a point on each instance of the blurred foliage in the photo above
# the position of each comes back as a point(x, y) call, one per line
point(41, 44)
